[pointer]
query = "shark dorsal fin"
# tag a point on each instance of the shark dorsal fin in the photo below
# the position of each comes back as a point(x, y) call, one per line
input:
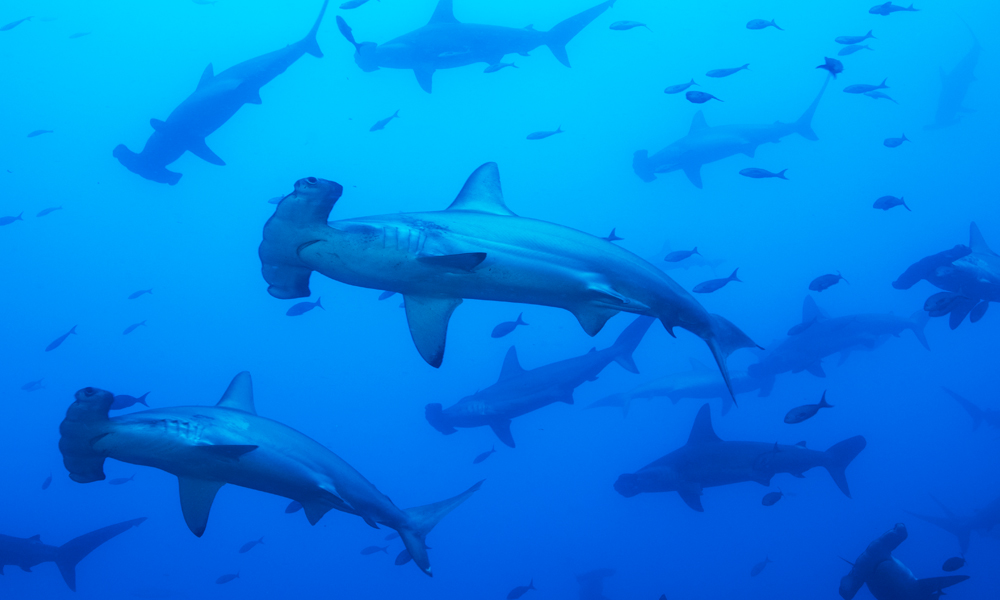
point(443, 13)
point(36, 538)
point(810, 310)
point(511, 367)
point(697, 366)
point(698, 122)
point(976, 242)
point(206, 77)
point(239, 394)
point(702, 432)
point(482, 193)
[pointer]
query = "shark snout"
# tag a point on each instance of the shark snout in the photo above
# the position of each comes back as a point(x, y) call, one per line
point(366, 56)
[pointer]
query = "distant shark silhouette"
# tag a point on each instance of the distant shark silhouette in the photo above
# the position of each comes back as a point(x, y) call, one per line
point(954, 87)
point(985, 521)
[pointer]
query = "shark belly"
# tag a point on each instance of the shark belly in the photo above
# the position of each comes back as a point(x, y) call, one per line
point(725, 464)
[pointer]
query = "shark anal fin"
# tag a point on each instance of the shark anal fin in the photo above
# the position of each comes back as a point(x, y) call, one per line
point(199, 148)
point(466, 261)
point(428, 320)
point(425, 77)
point(197, 496)
point(692, 497)
point(232, 451)
point(502, 430)
point(816, 369)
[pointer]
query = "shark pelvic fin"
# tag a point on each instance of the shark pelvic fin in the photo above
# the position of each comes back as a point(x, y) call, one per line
point(428, 320)
point(511, 367)
point(197, 496)
point(206, 77)
point(692, 497)
point(501, 428)
point(239, 394)
point(482, 193)
point(443, 13)
point(701, 431)
point(199, 148)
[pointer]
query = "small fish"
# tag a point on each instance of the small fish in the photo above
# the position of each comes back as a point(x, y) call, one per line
point(135, 295)
point(848, 50)
point(227, 578)
point(887, 202)
point(612, 237)
point(484, 455)
point(797, 329)
point(78, 35)
point(825, 281)
point(862, 88)
point(293, 507)
point(888, 8)
point(133, 327)
point(541, 135)
point(247, 547)
point(876, 95)
point(848, 40)
point(696, 97)
point(762, 24)
point(941, 303)
point(39, 132)
point(806, 411)
point(832, 65)
point(707, 287)
point(59, 340)
point(374, 550)
point(275, 200)
point(120, 480)
point(895, 142)
point(123, 401)
point(771, 498)
point(386, 295)
point(33, 386)
point(726, 72)
point(680, 87)
point(763, 173)
point(679, 255)
point(953, 564)
point(626, 25)
point(9, 220)
point(498, 66)
point(521, 590)
point(14, 24)
point(48, 211)
point(47, 482)
point(352, 4)
point(381, 123)
point(303, 307)
point(757, 568)
point(506, 327)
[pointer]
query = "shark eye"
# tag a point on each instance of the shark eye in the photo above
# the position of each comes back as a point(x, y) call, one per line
point(312, 180)
point(89, 391)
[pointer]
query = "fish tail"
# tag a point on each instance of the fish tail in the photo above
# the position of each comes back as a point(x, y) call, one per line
point(974, 411)
point(520, 321)
point(918, 321)
point(564, 31)
point(75, 550)
point(733, 277)
point(318, 298)
point(803, 125)
point(723, 339)
point(420, 520)
point(781, 174)
point(839, 456)
point(629, 340)
point(309, 43)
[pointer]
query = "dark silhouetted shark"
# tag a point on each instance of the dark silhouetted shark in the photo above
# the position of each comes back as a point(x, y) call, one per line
point(979, 416)
point(954, 87)
point(985, 521)
point(592, 584)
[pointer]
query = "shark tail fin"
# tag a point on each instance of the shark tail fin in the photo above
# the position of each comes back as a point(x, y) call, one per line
point(642, 166)
point(75, 550)
point(309, 42)
point(629, 340)
point(974, 411)
point(723, 339)
point(420, 520)
point(918, 321)
point(298, 222)
point(564, 31)
point(622, 400)
point(839, 456)
point(803, 125)
point(435, 416)
point(932, 586)
point(83, 426)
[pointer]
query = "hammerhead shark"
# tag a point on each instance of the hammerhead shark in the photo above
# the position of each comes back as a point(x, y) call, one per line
point(29, 552)
point(955, 86)
point(707, 461)
point(888, 578)
point(216, 99)
point(985, 520)
point(477, 248)
point(990, 416)
point(207, 447)
point(519, 392)
point(445, 43)
point(969, 274)
point(704, 144)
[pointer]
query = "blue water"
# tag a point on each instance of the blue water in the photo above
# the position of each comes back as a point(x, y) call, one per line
point(349, 376)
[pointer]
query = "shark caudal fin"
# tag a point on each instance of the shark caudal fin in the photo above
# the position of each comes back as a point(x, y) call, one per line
point(629, 340)
point(75, 550)
point(299, 221)
point(918, 321)
point(560, 35)
point(839, 456)
point(421, 520)
point(135, 163)
point(957, 526)
point(932, 587)
point(974, 411)
point(309, 44)
point(642, 166)
point(723, 339)
point(435, 416)
point(84, 425)
point(803, 125)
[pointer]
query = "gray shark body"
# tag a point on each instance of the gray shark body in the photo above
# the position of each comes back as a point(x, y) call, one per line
point(519, 391)
point(445, 43)
point(823, 337)
point(970, 272)
point(985, 521)
point(979, 415)
point(30, 552)
point(705, 144)
point(479, 249)
point(954, 88)
point(707, 461)
point(215, 101)
point(209, 446)
point(888, 578)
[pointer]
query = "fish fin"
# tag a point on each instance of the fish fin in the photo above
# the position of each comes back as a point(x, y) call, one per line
point(315, 511)
point(425, 76)
point(798, 475)
point(567, 395)
point(698, 123)
point(253, 97)
point(839, 456)
point(501, 427)
point(206, 77)
point(816, 369)
point(158, 125)
point(482, 193)
point(239, 394)
point(697, 366)
point(564, 31)
point(974, 411)
point(844, 355)
point(642, 166)
point(693, 173)
point(749, 150)
point(310, 46)
point(930, 587)
point(199, 148)
point(75, 550)
point(466, 261)
point(803, 125)
point(976, 242)
point(420, 520)
point(724, 339)
point(233, 451)
point(197, 496)
point(592, 318)
point(629, 340)
point(701, 431)
point(762, 478)
point(428, 321)
point(443, 13)
point(692, 497)
point(511, 367)
point(978, 311)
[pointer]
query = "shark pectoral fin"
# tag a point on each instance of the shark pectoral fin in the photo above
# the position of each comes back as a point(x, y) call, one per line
point(197, 496)
point(567, 397)
point(253, 96)
point(25, 568)
point(424, 78)
point(762, 477)
point(592, 318)
point(749, 150)
point(158, 125)
point(428, 320)
point(816, 369)
point(206, 77)
point(467, 261)
point(233, 451)
point(315, 510)
point(199, 148)
point(692, 497)
point(844, 355)
point(501, 428)
point(693, 173)
point(371, 522)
